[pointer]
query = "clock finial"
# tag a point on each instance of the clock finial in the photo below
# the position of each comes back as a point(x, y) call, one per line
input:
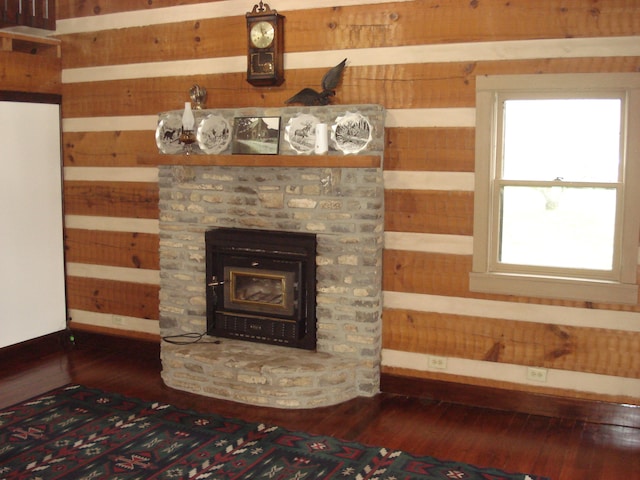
point(261, 7)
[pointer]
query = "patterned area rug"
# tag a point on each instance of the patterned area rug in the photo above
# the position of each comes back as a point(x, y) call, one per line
point(81, 433)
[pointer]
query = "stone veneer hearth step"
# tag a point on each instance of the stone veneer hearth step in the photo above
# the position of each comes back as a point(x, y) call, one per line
point(259, 374)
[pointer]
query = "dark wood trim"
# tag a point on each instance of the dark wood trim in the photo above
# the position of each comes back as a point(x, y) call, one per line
point(302, 161)
point(38, 347)
point(88, 340)
point(30, 97)
point(508, 400)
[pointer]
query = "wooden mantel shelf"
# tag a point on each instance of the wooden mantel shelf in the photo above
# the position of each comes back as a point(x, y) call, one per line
point(311, 161)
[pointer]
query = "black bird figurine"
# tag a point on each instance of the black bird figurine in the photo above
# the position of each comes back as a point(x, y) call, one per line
point(309, 97)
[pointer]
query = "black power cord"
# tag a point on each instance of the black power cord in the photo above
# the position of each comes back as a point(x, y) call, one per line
point(188, 339)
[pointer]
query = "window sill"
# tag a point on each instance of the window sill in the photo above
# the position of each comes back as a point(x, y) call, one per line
point(550, 287)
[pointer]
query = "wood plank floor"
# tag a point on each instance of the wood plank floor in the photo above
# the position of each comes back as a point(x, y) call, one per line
point(560, 449)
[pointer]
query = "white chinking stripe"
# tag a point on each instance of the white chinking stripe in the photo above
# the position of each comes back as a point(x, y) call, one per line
point(522, 312)
point(107, 320)
point(429, 242)
point(504, 372)
point(105, 272)
point(110, 124)
point(400, 180)
point(112, 174)
point(408, 180)
point(112, 224)
point(430, 117)
point(175, 68)
point(445, 53)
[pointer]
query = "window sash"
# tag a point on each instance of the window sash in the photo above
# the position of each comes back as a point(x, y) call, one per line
point(498, 265)
point(488, 275)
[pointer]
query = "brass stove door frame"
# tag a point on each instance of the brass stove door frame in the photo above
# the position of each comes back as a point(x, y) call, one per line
point(286, 307)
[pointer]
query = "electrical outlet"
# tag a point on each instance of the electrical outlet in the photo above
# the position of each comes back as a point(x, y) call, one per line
point(537, 374)
point(436, 362)
point(117, 320)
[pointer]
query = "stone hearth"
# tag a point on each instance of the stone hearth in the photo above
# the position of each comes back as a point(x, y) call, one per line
point(344, 207)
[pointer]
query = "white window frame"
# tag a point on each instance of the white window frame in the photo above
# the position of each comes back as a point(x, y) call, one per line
point(487, 276)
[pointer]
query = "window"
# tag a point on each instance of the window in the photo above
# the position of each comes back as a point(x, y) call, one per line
point(557, 195)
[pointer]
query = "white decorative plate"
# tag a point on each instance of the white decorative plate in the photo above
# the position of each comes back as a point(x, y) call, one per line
point(168, 133)
point(300, 132)
point(351, 133)
point(214, 134)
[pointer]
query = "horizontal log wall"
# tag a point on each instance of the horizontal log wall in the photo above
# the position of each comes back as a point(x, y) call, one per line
point(419, 59)
point(29, 64)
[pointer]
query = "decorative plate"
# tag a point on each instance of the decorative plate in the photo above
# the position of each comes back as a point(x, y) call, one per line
point(168, 133)
point(351, 132)
point(214, 134)
point(300, 132)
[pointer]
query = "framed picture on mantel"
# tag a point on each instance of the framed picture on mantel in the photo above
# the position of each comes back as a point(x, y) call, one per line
point(256, 135)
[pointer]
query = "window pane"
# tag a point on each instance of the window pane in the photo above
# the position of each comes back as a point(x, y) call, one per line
point(567, 139)
point(558, 227)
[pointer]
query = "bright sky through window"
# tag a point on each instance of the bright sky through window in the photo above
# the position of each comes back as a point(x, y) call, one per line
point(560, 166)
point(573, 139)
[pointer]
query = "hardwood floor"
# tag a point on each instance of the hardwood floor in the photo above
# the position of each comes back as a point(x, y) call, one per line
point(561, 449)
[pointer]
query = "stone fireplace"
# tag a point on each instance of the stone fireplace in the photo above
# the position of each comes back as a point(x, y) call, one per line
point(335, 198)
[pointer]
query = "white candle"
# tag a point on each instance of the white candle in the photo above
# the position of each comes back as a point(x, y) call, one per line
point(188, 120)
point(322, 139)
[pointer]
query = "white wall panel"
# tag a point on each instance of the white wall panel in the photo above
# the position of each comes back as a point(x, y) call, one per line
point(32, 292)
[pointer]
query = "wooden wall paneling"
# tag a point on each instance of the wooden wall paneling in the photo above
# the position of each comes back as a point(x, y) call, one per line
point(592, 350)
point(363, 26)
point(25, 72)
point(429, 211)
point(130, 299)
point(111, 199)
point(443, 85)
point(447, 274)
point(88, 8)
point(429, 273)
point(440, 85)
point(159, 43)
point(153, 95)
point(430, 149)
point(120, 249)
point(427, 85)
point(417, 85)
point(394, 86)
point(107, 149)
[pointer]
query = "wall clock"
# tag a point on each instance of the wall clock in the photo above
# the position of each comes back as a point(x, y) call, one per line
point(265, 42)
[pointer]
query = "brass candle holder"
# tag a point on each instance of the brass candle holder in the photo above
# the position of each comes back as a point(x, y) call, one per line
point(187, 138)
point(187, 133)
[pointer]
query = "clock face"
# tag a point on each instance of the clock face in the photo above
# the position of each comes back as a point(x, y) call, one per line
point(262, 34)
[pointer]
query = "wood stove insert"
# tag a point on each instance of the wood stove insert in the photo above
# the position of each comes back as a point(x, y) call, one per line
point(261, 286)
